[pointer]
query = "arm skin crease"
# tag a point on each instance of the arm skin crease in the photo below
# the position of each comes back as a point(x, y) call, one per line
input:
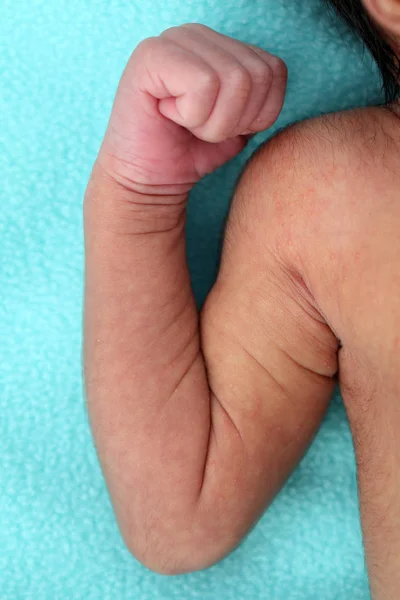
point(198, 424)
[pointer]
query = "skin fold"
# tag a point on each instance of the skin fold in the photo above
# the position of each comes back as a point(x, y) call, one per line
point(198, 420)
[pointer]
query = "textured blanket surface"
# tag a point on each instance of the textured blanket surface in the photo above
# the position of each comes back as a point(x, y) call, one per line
point(60, 62)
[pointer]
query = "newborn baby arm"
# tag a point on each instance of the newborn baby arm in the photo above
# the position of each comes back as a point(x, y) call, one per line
point(197, 424)
point(312, 239)
point(196, 434)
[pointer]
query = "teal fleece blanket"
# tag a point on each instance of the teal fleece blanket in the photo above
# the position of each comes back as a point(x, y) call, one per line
point(60, 62)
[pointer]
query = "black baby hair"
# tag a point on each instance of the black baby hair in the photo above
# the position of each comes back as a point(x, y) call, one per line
point(354, 13)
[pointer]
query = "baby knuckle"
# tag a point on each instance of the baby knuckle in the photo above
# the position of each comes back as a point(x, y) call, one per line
point(147, 50)
point(279, 67)
point(147, 45)
point(240, 78)
point(208, 79)
point(171, 32)
point(262, 73)
point(197, 26)
point(178, 31)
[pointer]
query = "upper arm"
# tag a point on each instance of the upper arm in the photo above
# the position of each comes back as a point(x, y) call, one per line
point(327, 206)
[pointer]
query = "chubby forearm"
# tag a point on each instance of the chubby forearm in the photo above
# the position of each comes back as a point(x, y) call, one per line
point(197, 421)
point(146, 387)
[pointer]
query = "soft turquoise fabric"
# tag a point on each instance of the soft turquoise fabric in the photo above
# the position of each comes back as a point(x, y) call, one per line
point(60, 62)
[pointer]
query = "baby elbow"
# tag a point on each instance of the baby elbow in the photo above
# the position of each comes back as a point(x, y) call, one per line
point(172, 560)
point(167, 552)
point(167, 564)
